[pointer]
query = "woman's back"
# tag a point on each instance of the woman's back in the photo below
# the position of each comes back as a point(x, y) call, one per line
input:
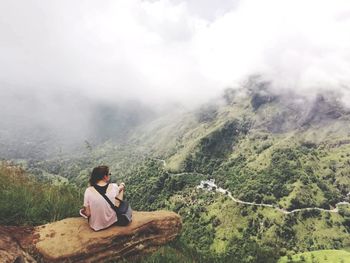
point(102, 215)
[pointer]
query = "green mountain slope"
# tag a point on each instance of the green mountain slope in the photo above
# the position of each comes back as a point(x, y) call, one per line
point(285, 150)
point(319, 256)
point(282, 150)
point(295, 153)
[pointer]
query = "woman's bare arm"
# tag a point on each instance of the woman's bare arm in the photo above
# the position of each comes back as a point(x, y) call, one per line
point(87, 211)
point(120, 194)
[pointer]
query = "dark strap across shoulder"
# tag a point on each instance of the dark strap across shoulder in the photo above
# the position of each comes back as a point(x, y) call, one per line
point(108, 200)
point(124, 210)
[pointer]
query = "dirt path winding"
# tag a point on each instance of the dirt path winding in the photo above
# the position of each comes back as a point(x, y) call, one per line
point(211, 186)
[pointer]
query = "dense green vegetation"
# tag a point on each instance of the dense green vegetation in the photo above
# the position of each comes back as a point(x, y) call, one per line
point(215, 147)
point(290, 179)
point(321, 256)
point(26, 201)
point(220, 230)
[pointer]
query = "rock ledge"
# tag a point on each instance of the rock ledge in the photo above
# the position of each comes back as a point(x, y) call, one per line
point(72, 240)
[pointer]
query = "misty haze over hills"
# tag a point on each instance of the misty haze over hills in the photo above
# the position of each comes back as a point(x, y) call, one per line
point(69, 69)
point(45, 124)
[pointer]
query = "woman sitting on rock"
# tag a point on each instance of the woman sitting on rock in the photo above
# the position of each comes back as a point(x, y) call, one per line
point(100, 213)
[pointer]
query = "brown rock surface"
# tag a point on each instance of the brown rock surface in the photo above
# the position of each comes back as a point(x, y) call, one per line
point(72, 240)
point(10, 249)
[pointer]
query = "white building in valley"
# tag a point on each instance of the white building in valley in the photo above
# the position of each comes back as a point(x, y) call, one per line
point(207, 184)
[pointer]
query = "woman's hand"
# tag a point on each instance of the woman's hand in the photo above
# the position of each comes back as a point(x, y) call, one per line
point(122, 187)
point(86, 211)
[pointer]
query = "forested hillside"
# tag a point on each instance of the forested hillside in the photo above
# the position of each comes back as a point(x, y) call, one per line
point(279, 149)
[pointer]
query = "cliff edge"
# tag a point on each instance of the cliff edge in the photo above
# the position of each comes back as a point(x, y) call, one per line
point(72, 240)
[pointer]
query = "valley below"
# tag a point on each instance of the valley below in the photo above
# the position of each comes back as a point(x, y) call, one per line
point(256, 176)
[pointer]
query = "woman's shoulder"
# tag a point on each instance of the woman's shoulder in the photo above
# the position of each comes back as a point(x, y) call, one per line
point(89, 189)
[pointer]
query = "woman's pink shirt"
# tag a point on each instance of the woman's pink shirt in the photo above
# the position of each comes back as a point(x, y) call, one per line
point(102, 215)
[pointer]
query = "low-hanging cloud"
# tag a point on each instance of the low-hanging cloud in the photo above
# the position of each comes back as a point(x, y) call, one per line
point(110, 49)
point(174, 49)
point(301, 45)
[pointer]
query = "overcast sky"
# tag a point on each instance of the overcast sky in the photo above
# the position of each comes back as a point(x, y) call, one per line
point(172, 50)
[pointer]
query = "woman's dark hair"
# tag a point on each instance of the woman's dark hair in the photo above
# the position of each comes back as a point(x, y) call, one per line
point(98, 173)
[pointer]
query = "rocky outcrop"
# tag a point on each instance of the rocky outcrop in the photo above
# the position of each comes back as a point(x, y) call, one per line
point(10, 249)
point(72, 240)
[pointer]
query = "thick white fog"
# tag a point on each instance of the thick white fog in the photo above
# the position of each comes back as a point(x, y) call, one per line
point(160, 53)
point(172, 50)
